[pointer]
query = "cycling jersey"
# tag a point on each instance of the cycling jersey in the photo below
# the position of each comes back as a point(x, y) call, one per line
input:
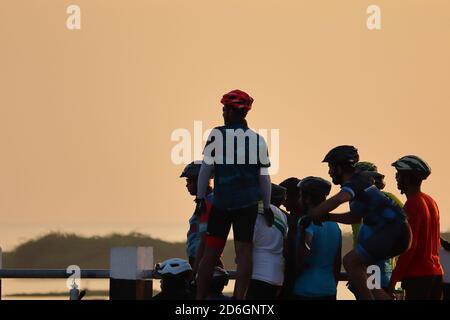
point(422, 258)
point(386, 266)
point(318, 277)
point(374, 207)
point(268, 242)
point(197, 225)
point(390, 234)
point(238, 154)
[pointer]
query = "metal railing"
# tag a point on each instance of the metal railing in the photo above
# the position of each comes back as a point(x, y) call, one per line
point(121, 269)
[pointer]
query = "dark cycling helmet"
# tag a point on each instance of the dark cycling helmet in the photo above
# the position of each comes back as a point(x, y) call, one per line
point(342, 154)
point(366, 166)
point(192, 170)
point(315, 185)
point(278, 193)
point(414, 165)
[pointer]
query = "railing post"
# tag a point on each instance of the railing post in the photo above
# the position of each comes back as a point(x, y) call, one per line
point(126, 276)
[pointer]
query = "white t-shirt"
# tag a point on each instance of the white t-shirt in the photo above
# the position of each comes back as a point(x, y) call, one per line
point(444, 257)
point(268, 242)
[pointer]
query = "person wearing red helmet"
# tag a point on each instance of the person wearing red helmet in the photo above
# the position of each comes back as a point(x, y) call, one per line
point(239, 158)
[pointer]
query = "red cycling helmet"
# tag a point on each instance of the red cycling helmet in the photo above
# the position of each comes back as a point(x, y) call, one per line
point(237, 99)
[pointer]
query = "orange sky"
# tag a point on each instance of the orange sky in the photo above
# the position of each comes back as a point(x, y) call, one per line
point(86, 115)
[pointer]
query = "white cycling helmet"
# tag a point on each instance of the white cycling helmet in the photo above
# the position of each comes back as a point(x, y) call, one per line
point(174, 266)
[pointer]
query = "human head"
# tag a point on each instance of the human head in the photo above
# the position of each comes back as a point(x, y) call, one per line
point(378, 179)
point(236, 105)
point(313, 191)
point(365, 166)
point(292, 194)
point(278, 195)
point(175, 274)
point(411, 171)
point(371, 170)
point(341, 163)
point(191, 172)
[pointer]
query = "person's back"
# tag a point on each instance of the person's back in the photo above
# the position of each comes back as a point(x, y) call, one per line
point(268, 260)
point(369, 171)
point(317, 280)
point(236, 181)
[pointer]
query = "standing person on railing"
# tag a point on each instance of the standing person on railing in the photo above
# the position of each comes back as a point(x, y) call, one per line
point(419, 268)
point(239, 158)
point(318, 258)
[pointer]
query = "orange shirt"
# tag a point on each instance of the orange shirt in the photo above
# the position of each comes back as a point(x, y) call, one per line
point(422, 259)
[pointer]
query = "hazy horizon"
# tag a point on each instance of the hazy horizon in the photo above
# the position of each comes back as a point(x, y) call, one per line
point(86, 115)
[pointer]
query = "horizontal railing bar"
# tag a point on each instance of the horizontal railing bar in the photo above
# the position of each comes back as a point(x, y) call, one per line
point(86, 274)
point(51, 273)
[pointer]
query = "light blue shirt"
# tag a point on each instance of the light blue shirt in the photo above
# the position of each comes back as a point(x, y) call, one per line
point(317, 278)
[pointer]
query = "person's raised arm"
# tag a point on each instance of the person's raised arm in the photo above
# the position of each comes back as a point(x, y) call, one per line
point(345, 218)
point(331, 204)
